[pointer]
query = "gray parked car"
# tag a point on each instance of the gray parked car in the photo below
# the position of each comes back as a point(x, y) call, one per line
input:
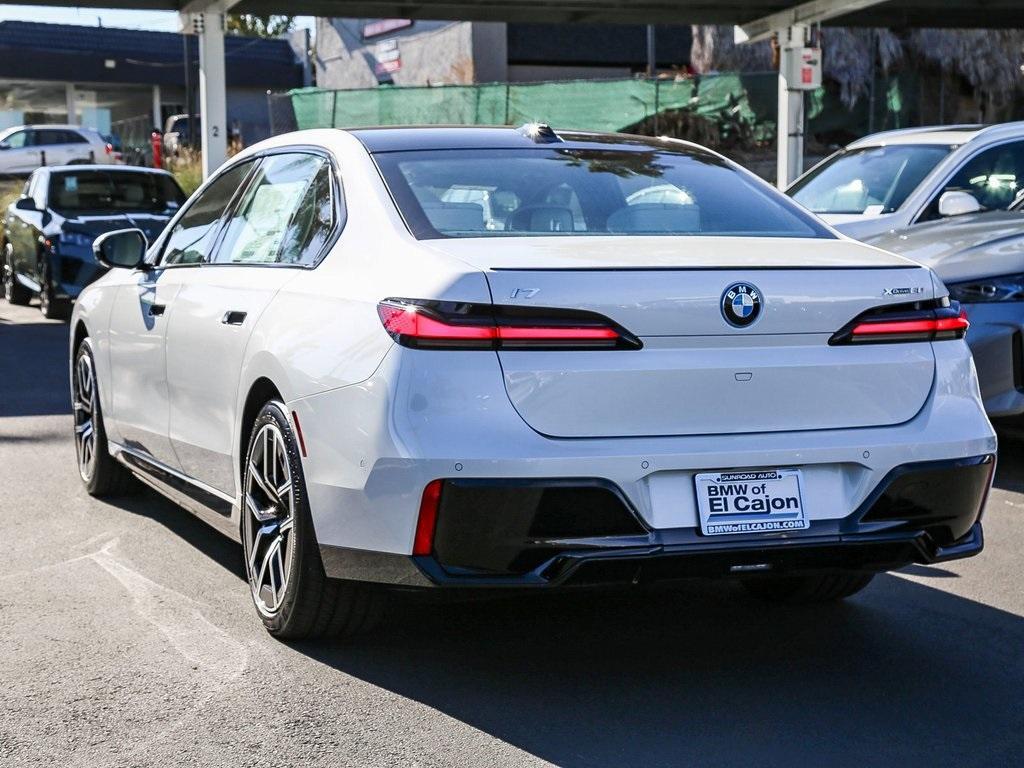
point(980, 257)
point(898, 179)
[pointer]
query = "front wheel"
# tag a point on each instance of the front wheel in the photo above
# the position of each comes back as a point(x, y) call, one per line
point(101, 473)
point(292, 594)
point(811, 588)
point(52, 307)
point(14, 292)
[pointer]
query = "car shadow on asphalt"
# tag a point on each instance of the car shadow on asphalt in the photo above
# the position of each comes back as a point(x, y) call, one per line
point(902, 675)
point(216, 546)
point(33, 369)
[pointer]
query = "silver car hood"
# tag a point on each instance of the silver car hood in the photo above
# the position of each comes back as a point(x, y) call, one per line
point(963, 247)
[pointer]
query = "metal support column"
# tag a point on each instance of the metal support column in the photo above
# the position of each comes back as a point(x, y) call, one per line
point(158, 121)
point(209, 24)
point(69, 101)
point(790, 128)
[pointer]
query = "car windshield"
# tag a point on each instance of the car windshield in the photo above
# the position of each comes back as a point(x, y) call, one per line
point(99, 192)
point(570, 191)
point(871, 180)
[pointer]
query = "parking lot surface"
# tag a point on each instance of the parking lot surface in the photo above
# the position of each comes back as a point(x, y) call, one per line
point(129, 639)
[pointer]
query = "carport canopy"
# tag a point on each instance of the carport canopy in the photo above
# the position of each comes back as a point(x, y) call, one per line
point(754, 20)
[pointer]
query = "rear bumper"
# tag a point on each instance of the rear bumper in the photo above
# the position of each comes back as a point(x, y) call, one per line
point(921, 513)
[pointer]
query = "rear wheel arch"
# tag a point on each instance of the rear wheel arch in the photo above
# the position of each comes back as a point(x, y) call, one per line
point(261, 392)
point(81, 332)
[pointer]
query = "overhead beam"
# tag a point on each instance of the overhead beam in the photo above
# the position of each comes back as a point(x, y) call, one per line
point(812, 12)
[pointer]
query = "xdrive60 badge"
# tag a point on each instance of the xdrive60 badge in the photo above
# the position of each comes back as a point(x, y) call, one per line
point(741, 304)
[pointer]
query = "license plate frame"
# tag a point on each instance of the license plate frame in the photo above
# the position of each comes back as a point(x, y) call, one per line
point(751, 502)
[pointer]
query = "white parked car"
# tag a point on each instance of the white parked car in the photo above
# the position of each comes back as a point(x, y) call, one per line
point(27, 147)
point(894, 180)
point(323, 358)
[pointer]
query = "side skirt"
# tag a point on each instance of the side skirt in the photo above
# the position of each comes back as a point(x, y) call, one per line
point(213, 507)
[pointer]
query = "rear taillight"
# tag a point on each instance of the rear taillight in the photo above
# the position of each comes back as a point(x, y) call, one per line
point(447, 325)
point(109, 148)
point(935, 322)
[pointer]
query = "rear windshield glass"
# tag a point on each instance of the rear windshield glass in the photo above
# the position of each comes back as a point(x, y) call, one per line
point(870, 180)
point(562, 192)
point(98, 192)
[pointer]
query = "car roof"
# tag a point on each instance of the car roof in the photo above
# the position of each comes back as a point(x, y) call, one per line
point(55, 126)
point(406, 138)
point(78, 167)
point(945, 135)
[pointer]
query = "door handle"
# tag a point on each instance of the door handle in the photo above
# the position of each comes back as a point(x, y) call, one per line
point(155, 310)
point(233, 317)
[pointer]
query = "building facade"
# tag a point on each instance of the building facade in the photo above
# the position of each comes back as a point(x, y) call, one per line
point(124, 81)
point(364, 53)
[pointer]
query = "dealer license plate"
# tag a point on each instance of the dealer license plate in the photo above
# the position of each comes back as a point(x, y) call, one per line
point(750, 502)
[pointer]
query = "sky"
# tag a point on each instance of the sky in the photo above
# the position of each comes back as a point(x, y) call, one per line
point(158, 21)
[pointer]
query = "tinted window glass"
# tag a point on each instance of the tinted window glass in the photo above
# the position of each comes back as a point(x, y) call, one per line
point(47, 138)
point(286, 216)
point(192, 237)
point(79, 192)
point(549, 191)
point(874, 179)
point(995, 177)
point(73, 137)
point(17, 140)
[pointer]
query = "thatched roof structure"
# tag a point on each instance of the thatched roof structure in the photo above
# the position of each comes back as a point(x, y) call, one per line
point(989, 61)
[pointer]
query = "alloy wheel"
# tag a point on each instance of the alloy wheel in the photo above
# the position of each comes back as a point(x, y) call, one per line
point(269, 518)
point(85, 411)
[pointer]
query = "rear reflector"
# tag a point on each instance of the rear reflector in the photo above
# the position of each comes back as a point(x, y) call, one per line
point(436, 325)
point(423, 544)
point(929, 324)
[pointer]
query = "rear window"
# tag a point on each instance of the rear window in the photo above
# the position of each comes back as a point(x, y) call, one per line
point(565, 192)
point(98, 192)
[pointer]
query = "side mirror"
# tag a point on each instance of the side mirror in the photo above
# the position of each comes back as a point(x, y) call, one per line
point(958, 203)
point(26, 204)
point(4, 145)
point(124, 248)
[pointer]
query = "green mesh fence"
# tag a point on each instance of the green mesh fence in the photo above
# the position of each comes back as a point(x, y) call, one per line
point(730, 110)
point(600, 105)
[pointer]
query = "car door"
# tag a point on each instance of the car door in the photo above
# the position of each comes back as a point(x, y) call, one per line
point(20, 156)
point(25, 231)
point(141, 311)
point(283, 221)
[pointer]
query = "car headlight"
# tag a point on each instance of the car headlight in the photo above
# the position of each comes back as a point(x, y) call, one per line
point(988, 289)
point(76, 239)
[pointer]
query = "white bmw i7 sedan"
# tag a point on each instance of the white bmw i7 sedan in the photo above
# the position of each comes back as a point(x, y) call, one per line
point(496, 358)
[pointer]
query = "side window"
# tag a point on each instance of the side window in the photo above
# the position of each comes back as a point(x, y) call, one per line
point(47, 138)
point(18, 140)
point(994, 176)
point(286, 216)
point(192, 237)
point(74, 137)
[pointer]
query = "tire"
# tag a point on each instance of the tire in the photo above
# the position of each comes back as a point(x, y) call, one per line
point(292, 594)
point(51, 307)
point(102, 475)
point(813, 588)
point(14, 292)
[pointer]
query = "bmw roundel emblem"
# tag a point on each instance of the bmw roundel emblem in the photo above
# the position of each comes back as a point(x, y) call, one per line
point(741, 304)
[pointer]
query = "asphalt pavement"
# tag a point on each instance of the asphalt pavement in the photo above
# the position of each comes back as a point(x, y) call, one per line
point(128, 638)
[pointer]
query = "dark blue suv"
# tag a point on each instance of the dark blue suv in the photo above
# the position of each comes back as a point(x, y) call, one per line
point(48, 232)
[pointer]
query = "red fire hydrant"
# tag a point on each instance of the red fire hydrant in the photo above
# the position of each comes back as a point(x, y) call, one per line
point(156, 139)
